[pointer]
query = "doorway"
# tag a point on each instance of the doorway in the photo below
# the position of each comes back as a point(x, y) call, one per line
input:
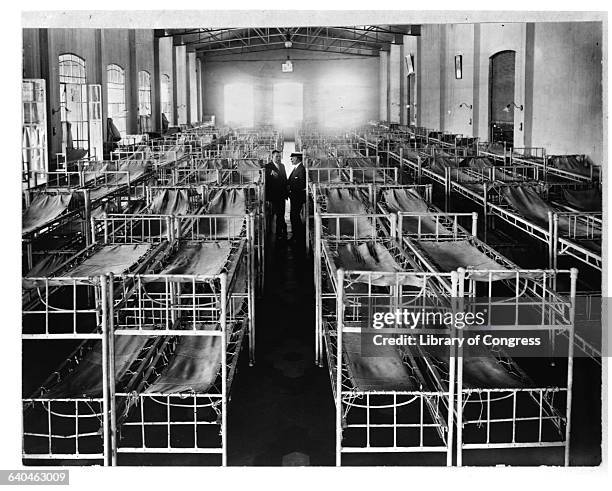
point(288, 107)
point(501, 97)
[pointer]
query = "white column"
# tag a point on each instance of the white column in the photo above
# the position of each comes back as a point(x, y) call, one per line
point(383, 84)
point(395, 64)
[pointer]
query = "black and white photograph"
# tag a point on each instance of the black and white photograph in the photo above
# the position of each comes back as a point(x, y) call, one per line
point(363, 239)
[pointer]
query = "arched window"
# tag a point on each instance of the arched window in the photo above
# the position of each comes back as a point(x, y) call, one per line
point(72, 69)
point(166, 97)
point(501, 97)
point(115, 85)
point(144, 101)
point(73, 106)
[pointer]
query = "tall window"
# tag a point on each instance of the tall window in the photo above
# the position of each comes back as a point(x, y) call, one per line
point(73, 106)
point(166, 97)
point(144, 101)
point(115, 79)
point(239, 104)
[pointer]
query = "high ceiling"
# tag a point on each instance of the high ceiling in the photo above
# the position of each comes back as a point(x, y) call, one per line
point(353, 40)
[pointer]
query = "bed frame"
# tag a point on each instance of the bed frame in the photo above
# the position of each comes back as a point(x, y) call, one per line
point(200, 196)
point(532, 289)
point(562, 242)
point(77, 184)
point(74, 427)
point(169, 306)
point(379, 421)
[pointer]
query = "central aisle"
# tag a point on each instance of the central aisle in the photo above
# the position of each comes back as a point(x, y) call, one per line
point(282, 409)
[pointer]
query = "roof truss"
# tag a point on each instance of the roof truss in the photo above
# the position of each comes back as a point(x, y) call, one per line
point(355, 40)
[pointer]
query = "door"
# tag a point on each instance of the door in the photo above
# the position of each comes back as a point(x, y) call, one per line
point(501, 97)
point(95, 121)
point(34, 127)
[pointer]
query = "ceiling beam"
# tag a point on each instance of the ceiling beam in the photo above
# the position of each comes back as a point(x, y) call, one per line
point(295, 37)
point(266, 47)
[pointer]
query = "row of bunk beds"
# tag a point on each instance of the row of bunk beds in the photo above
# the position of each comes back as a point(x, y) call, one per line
point(380, 246)
point(554, 199)
point(140, 277)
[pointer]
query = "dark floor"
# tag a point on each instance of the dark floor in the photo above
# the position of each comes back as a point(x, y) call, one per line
point(282, 410)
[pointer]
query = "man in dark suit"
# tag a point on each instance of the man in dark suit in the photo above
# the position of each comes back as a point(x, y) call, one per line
point(297, 195)
point(276, 192)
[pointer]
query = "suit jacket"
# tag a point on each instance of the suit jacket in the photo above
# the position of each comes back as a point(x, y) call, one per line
point(297, 183)
point(276, 182)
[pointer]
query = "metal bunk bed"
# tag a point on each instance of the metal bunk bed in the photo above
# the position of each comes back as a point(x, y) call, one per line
point(198, 297)
point(578, 234)
point(228, 199)
point(489, 379)
point(417, 216)
point(328, 174)
point(388, 400)
point(562, 168)
point(66, 417)
point(54, 211)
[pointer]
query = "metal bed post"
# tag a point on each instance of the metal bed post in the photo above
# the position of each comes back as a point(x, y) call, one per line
point(307, 213)
point(29, 254)
point(451, 382)
point(570, 365)
point(340, 322)
point(551, 241)
point(400, 225)
point(474, 224)
point(318, 290)
point(170, 229)
point(388, 150)
point(485, 210)
point(111, 369)
point(393, 225)
point(223, 279)
point(447, 188)
point(105, 372)
point(401, 164)
point(86, 217)
point(251, 287)
point(555, 239)
point(460, 294)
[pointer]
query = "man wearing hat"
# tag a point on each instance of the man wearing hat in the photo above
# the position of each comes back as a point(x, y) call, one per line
point(297, 195)
point(276, 192)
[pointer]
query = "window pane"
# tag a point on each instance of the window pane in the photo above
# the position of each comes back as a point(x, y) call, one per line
point(116, 97)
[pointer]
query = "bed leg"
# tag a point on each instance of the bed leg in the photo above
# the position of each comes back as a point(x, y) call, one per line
point(339, 327)
point(570, 366)
point(223, 347)
point(105, 370)
point(250, 288)
point(111, 371)
point(318, 291)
